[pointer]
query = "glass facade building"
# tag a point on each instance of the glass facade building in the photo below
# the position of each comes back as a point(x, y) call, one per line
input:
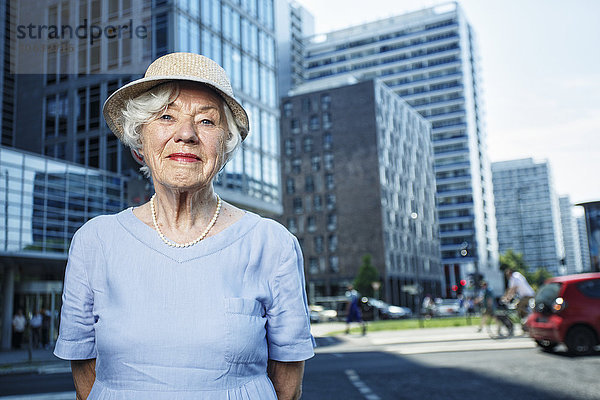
point(528, 214)
point(42, 203)
point(429, 58)
point(592, 225)
point(573, 262)
point(239, 35)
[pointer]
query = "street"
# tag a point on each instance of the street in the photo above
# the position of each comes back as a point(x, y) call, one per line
point(436, 363)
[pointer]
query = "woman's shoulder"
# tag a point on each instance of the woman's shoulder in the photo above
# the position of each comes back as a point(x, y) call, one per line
point(270, 228)
point(100, 224)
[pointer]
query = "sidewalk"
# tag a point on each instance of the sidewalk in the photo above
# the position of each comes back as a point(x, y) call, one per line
point(43, 362)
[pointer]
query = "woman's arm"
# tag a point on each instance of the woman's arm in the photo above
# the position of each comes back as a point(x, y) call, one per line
point(84, 375)
point(286, 378)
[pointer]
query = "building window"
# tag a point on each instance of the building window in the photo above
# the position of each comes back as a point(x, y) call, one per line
point(308, 144)
point(314, 124)
point(298, 205)
point(313, 265)
point(309, 184)
point(331, 221)
point(291, 225)
point(305, 105)
point(287, 109)
point(318, 244)
point(290, 147)
point(334, 264)
point(316, 163)
point(329, 181)
point(317, 203)
point(328, 161)
point(311, 223)
point(327, 140)
point(295, 126)
point(331, 201)
point(296, 165)
point(325, 102)
point(290, 187)
point(333, 243)
point(326, 120)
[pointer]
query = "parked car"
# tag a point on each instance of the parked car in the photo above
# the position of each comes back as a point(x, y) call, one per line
point(321, 314)
point(448, 307)
point(567, 310)
point(384, 310)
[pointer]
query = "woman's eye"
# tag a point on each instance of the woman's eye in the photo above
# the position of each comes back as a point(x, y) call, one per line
point(166, 117)
point(206, 122)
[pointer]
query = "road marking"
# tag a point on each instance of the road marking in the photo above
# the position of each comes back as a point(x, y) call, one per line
point(338, 355)
point(444, 347)
point(360, 385)
point(42, 396)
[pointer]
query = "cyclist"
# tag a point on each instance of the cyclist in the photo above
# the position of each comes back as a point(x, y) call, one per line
point(518, 287)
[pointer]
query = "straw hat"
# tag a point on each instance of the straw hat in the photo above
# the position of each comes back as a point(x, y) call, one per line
point(175, 67)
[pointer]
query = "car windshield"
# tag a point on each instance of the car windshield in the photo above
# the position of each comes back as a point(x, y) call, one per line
point(548, 293)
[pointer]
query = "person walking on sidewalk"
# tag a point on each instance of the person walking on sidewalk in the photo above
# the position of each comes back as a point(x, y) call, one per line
point(19, 323)
point(353, 310)
point(486, 305)
point(36, 328)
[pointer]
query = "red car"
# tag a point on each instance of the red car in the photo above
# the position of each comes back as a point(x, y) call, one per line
point(567, 310)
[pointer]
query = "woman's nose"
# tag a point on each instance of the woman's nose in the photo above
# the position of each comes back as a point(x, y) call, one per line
point(186, 131)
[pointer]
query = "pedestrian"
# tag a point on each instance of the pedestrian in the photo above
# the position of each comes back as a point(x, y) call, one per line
point(486, 305)
point(19, 323)
point(184, 247)
point(46, 321)
point(428, 306)
point(353, 313)
point(36, 328)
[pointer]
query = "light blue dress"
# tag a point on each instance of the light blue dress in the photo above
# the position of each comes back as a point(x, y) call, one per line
point(183, 323)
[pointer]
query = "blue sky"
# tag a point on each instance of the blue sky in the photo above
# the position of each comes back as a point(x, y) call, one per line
point(540, 64)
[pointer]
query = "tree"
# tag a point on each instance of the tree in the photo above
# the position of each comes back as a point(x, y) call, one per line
point(514, 261)
point(367, 274)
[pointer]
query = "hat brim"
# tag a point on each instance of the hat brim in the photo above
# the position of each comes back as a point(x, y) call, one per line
point(114, 105)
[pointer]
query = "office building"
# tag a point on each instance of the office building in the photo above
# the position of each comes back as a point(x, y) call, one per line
point(42, 203)
point(429, 58)
point(352, 180)
point(572, 258)
point(584, 245)
point(527, 213)
point(292, 23)
point(58, 110)
point(592, 225)
point(75, 55)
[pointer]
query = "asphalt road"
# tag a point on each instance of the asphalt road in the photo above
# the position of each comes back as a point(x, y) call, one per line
point(467, 375)
point(20, 384)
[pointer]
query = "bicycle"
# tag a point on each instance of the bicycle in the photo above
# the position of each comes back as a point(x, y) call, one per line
point(504, 319)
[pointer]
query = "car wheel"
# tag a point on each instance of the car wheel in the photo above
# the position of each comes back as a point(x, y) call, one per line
point(546, 345)
point(580, 340)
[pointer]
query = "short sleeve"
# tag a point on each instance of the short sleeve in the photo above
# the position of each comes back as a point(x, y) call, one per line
point(288, 319)
point(76, 339)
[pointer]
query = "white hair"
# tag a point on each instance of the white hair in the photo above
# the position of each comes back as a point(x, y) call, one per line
point(152, 104)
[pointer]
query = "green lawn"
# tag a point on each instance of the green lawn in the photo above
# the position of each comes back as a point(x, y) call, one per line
point(393, 325)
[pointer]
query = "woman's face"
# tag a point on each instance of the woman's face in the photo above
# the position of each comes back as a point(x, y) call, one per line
point(184, 147)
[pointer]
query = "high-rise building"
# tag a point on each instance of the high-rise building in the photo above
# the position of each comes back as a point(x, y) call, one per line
point(570, 236)
point(293, 23)
point(592, 225)
point(59, 105)
point(583, 243)
point(527, 213)
point(358, 183)
point(429, 58)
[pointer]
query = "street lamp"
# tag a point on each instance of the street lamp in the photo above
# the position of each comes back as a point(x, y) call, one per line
point(413, 217)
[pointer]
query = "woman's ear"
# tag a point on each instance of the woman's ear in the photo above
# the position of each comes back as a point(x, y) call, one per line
point(138, 156)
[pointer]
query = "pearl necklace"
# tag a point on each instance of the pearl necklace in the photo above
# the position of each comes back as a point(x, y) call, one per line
point(193, 242)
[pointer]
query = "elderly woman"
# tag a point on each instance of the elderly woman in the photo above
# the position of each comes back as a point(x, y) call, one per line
point(186, 296)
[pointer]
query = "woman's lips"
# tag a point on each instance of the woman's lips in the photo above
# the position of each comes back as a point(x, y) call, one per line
point(184, 157)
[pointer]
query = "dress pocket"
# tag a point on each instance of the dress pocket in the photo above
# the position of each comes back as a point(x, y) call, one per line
point(246, 333)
